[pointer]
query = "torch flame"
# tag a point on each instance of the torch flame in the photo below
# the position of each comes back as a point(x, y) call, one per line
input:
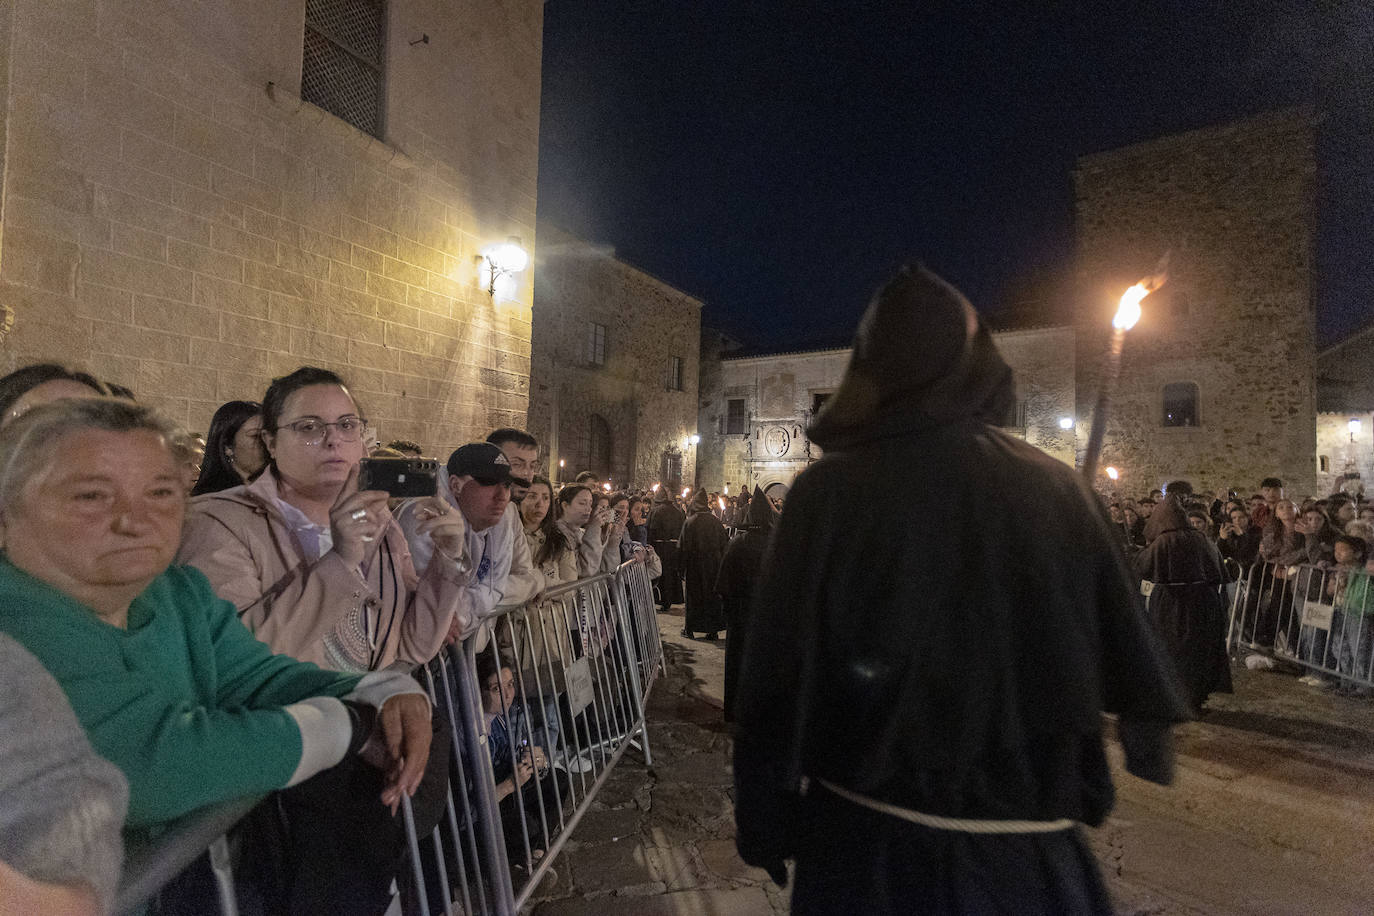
point(722, 503)
point(1129, 312)
point(685, 491)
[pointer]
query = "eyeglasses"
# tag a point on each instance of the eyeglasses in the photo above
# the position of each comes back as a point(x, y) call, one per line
point(312, 430)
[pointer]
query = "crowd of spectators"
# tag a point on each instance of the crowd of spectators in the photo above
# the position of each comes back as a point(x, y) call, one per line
point(190, 620)
point(1296, 572)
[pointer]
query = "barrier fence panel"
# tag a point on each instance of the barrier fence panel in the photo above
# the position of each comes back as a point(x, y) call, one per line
point(537, 717)
point(1320, 617)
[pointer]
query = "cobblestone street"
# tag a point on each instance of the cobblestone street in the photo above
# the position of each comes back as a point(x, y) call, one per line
point(1270, 812)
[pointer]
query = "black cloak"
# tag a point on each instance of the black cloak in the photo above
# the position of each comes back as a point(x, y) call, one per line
point(1185, 602)
point(702, 548)
point(739, 572)
point(958, 669)
point(665, 527)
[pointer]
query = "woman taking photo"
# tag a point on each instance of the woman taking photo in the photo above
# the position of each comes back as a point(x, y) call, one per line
point(165, 680)
point(582, 527)
point(316, 568)
point(233, 448)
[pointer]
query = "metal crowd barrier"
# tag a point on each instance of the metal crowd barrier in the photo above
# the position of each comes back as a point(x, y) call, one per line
point(1316, 616)
point(583, 661)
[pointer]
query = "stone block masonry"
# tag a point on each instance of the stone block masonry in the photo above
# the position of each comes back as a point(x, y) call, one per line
point(177, 220)
point(610, 403)
point(1235, 204)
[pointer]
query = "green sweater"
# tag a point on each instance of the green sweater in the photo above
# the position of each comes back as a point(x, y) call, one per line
point(185, 701)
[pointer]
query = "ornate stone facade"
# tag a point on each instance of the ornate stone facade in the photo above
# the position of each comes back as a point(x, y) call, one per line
point(756, 409)
point(615, 367)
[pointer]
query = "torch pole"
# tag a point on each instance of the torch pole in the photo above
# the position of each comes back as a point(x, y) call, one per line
point(1111, 369)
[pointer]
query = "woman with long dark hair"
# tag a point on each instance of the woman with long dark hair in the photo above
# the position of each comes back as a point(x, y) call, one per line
point(233, 448)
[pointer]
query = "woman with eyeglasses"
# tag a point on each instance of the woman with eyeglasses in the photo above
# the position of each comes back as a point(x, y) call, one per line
point(318, 569)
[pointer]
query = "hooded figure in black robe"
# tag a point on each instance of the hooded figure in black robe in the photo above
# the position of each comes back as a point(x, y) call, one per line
point(1185, 601)
point(665, 527)
point(954, 671)
point(739, 573)
point(701, 548)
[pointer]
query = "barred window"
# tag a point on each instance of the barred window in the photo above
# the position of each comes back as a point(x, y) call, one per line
point(735, 421)
point(341, 69)
point(675, 373)
point(596, 344)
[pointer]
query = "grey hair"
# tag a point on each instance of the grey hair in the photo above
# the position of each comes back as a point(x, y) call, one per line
point(27, 444)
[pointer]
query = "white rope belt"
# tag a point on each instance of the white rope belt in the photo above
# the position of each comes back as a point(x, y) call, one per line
point(957, 824)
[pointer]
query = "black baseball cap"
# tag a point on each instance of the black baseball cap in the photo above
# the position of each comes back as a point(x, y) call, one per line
point(482, 461)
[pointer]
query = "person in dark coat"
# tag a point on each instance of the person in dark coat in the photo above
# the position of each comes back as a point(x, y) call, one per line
point(739, 572)
point(701, 549)
point(920, 707)
point(1184, 575)
point(665, 527)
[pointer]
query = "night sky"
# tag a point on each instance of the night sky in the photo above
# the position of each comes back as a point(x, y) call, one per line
point(779, 159)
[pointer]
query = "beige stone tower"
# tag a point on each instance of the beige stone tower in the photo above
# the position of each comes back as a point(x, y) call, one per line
point(1217, 381)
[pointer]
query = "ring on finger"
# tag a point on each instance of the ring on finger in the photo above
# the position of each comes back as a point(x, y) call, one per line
point(358, 515)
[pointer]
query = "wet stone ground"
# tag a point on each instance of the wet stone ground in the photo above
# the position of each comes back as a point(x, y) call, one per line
point(660, 839)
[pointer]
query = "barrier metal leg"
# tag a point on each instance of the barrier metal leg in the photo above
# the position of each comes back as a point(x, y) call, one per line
point(223, 870)
point(421, 894)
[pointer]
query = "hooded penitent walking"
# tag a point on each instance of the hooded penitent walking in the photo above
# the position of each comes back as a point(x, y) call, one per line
point(739, 572)
point(920, 708)
point(702, 547)
point(1185, 602)
point(665, 527)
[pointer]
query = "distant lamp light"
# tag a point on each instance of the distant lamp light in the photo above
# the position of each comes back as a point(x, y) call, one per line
point(654, 488)
point(694, 439)
point(1354, 428)
point(727, 489)
point(1113, 473)
point(1066, 422)
point(685, 491)
point(561, 462)
point(606, 486)
point(497, 266)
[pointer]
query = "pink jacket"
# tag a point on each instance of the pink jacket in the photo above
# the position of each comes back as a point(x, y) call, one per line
point(320, 611)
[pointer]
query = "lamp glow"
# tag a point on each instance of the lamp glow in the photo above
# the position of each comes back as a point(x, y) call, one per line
point(694, 438)
point(1066, 422)
point(497, 266)
point(654, 488)
point(1113, 473)
point(685, 491)
point(1354, 426)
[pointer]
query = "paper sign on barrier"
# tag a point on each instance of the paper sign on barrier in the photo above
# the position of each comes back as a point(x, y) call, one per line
point(579, 680)
point(1318, 615)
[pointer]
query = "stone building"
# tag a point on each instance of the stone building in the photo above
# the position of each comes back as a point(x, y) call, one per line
point(756, 409)
point(200, 196)
point(1218, 378)
point(615, 367)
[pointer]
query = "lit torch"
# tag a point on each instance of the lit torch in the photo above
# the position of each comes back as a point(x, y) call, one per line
point(1126, 316)
point(654, 488)
point(685, 491)
point(721, 500)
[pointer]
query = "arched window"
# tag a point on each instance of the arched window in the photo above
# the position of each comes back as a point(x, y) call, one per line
point(599, 446)
point(1180, 404)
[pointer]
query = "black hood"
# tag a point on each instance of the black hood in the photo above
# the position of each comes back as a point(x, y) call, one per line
point(922, 358)
point(760, 514)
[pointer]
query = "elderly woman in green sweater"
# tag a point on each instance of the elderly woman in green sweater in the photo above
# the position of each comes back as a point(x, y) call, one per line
point(168, 684)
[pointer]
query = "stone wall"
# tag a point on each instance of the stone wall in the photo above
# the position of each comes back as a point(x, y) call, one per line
point(1235, 206)
point(779, 391)
point(1344, 453)
point(647, 322)
point(177, 220)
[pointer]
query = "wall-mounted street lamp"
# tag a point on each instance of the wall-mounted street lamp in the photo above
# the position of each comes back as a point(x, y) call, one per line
point(1113, 473)
point(1066, 422)
point(497, 266)
point(691, 440)
point(1354, 428)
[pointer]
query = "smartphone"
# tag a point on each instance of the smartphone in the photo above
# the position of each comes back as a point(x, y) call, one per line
point(400, 477)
